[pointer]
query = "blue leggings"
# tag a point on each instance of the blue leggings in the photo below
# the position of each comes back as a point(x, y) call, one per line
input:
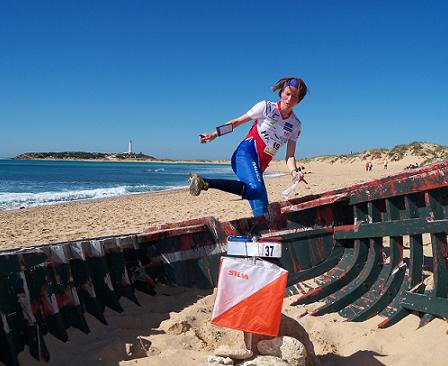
point(246, 167)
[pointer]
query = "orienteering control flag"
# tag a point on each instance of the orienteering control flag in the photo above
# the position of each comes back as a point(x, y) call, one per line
point(249, 296)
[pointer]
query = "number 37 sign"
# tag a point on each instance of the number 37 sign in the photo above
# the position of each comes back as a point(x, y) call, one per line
point(244, 246)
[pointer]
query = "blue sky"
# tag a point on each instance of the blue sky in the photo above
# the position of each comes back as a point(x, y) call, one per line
point(89, 75)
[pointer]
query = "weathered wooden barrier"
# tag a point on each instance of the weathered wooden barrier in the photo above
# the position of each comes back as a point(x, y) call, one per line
point(378, 248)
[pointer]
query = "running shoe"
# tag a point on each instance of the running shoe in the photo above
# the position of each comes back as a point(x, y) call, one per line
point(197, 184)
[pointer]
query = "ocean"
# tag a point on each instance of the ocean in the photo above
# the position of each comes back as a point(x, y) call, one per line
point(31, 183)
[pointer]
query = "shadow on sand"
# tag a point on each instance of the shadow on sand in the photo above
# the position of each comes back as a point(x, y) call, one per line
point(364, 358)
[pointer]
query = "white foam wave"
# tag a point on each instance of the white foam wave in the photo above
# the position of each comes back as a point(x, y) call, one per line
point(272, 175)
point(155, 170)
point(199, 170)
point(11, 200)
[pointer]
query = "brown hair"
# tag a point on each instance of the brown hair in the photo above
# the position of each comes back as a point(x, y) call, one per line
point(283, 83)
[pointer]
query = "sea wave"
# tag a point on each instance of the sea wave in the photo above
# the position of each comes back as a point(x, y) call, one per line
point(207, 171)
point(273, 175)
point(154, 170)
point(13, 200)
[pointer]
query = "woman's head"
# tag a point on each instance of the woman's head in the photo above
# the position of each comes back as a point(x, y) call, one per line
point(294, 86)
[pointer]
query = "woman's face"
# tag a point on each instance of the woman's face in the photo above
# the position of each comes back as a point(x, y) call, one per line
point(289, 97)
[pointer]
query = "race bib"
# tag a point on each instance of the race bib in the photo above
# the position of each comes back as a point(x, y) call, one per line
point(272, 147)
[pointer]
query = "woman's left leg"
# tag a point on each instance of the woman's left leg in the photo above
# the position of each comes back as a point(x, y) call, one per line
point(246, 167)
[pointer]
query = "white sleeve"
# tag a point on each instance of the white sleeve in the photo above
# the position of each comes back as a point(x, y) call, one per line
point(256, 112)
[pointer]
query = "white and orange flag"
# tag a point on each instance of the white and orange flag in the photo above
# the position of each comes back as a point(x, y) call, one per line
point(250, 296)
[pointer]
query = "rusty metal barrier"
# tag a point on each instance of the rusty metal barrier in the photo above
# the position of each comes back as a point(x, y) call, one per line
point(373, 277)
point(366, 247)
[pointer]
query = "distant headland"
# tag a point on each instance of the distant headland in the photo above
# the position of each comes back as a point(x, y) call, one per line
point(82, 155)
point(97, 156)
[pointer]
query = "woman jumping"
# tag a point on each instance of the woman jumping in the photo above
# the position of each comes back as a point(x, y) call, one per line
point(274, 125)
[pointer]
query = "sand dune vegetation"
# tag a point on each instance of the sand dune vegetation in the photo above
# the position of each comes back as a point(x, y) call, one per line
point(425, 152)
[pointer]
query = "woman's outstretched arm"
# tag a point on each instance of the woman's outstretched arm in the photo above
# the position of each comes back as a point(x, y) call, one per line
point(204, 137)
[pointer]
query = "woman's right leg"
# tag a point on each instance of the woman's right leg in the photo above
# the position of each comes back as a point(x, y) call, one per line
point(251, 185)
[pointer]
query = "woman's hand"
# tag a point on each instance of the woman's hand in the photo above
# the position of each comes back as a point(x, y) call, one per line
point(298, 176)
point(204, 137)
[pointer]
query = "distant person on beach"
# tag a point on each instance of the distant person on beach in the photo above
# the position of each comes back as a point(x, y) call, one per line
point(274, 125)
point(385, 163)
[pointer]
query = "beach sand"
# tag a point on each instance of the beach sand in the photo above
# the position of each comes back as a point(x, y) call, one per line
point(134, 214)
point(172, 328)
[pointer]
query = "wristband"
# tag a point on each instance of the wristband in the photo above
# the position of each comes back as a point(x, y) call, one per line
point(224, 129)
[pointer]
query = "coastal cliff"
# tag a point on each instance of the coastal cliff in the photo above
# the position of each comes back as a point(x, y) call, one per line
point(81, 155)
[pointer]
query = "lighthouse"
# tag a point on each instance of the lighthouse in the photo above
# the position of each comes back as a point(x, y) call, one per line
point(130, 147)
